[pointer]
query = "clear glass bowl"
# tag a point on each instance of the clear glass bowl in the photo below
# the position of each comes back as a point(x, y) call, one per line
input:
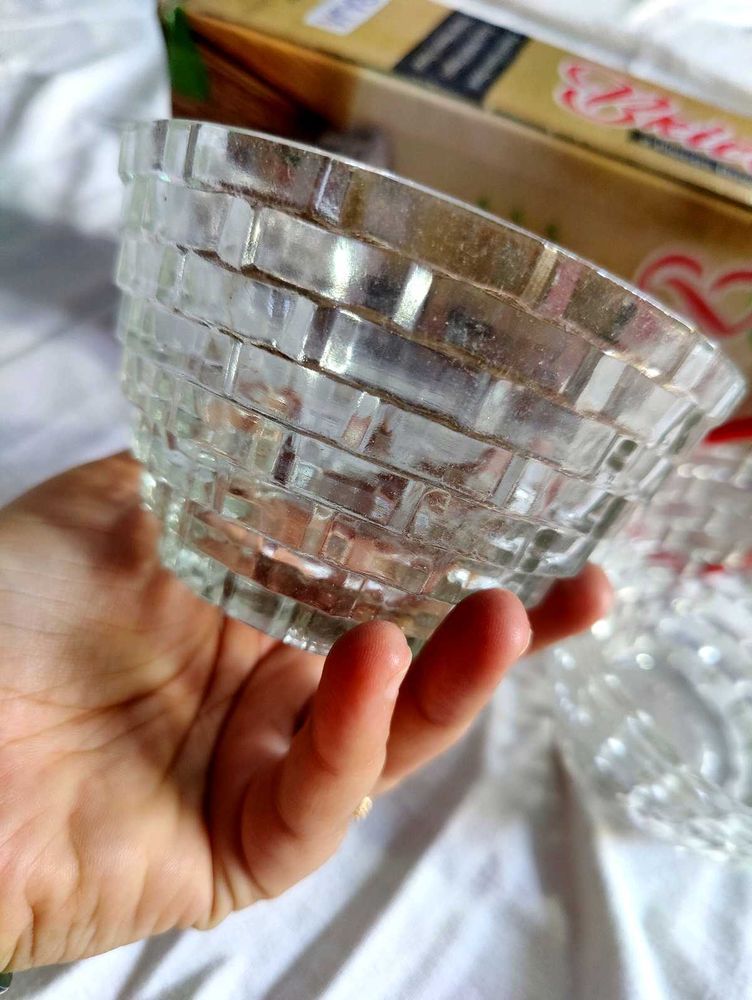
point(654, 709)
point(344, 413)
point(654, 705)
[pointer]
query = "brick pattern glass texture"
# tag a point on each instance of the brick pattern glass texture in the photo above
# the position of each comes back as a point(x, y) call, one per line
point(356, 398)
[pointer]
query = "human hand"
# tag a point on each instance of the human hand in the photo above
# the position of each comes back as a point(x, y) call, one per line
point(162, 765)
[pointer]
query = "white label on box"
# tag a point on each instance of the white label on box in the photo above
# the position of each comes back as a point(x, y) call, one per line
point(341, 17)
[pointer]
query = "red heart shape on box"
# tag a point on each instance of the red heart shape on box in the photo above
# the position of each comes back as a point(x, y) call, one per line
point(700, 295)
point(683, 279)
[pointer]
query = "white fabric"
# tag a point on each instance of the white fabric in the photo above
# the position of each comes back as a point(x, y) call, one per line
point(700, 49)
point(483, 878)
point(71, 71)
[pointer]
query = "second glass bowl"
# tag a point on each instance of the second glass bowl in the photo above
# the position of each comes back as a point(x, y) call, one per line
point(654, 704)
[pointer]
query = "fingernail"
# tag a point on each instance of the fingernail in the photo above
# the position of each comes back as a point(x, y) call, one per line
point(392, 686)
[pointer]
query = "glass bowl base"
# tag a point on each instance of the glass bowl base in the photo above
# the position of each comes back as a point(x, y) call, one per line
point(292, 621)
point(300, 598)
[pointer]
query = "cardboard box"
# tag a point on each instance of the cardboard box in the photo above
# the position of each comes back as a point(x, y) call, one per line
point(652, 186)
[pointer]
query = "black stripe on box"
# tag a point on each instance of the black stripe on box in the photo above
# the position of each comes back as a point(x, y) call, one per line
point(462, 55)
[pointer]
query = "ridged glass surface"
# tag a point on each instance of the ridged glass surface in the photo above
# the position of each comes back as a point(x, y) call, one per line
point(357, 399)
point(653, 705)
point(436, 231)
point(654, 712)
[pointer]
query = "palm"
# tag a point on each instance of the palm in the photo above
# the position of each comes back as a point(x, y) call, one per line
point(161, 765)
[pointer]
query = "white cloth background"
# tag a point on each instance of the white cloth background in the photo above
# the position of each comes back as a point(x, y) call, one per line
point(483, 878)
point(699, 48)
